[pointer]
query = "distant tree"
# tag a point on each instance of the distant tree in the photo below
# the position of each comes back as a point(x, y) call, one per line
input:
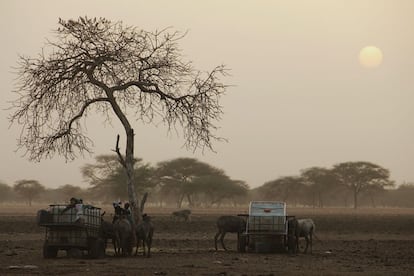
point(219, 188)
point(321, 181)
point(406, 186)
point(97, 176)
point(28, 189)
point(402, 196)
point(373, 192)
point(406, 195)
point(169, 192)
point(283, 189)
point(107, 178)
point(67, 191)
point(361, 176)
point(178, 177)
point(240, 191)
point(341, 195)
point(107, 67)
point(5, 192)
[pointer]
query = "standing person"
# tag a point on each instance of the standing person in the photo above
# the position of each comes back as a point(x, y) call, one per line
point(118, 210)
point(79, 211)
point(127, 212)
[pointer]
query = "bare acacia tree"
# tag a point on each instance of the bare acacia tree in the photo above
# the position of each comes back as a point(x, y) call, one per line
point(99, 66)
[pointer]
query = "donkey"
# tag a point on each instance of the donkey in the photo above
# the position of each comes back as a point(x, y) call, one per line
point(144, 233)
point(123, 236)
point(293, 234)
point(108, 232)
point(228, 224)
point(184, 214)
point(306, 229)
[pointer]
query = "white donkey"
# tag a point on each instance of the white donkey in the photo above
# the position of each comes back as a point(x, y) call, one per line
point(306, 229)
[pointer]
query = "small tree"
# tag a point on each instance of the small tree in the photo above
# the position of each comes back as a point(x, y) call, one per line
point(96, 65)
point(321, 181)
point(361, 176)
point(284, 189)
point(28, 189)
point(178, 175)
point(402, 196)
point(65, 192)
point(107, 178)
point(218, 188)
point(5, 192)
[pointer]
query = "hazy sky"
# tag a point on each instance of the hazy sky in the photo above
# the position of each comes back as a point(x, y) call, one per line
point(299, 98)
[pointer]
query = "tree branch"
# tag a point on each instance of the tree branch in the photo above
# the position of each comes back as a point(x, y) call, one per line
point(120, 157)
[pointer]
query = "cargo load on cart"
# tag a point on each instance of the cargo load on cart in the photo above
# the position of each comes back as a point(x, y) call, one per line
point(75, 228)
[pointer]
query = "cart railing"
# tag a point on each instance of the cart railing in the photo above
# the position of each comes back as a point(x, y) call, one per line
point(267, 217)
point(266, 225)
point(58, 215)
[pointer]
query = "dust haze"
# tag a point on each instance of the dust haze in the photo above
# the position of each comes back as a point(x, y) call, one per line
point(298, 96)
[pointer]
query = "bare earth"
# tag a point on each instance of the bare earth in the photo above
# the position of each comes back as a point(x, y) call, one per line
point(366, 242)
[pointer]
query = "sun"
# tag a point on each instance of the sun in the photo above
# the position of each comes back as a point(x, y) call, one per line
point(370, 57)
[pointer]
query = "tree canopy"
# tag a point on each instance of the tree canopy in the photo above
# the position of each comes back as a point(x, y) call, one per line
point(95, 65)
point(361, 176)
point(28, 189)
point(282, 189)
point(197, 182)
point(5, 191)
point(321, 182)
point(107, 178)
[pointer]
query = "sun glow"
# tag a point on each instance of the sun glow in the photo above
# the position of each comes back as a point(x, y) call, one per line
point(370, 57)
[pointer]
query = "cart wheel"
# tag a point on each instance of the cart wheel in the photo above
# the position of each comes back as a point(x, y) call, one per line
point(49, 251)
point(75, 253)
point(242, 243)
point(97, 249)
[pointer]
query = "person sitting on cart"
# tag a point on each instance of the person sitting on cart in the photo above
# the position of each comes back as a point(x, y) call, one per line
point(76, 204)
point(72, 204)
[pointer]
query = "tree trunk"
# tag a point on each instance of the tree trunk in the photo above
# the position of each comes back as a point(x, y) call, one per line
point(128, 163)
point(371, 196)
point(355, 198)
point(129, 166)
point(190, 201)
point(180, 201)
point(142, 205)
point(313, 200)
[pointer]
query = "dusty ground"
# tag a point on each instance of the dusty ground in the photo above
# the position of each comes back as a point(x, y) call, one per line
point(367, 242)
